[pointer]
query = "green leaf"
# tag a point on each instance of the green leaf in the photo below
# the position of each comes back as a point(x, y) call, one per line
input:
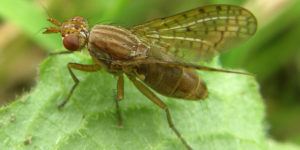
point(230, 118)
point(273, 145)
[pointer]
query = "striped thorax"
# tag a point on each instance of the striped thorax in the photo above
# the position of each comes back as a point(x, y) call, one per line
point(110, 42)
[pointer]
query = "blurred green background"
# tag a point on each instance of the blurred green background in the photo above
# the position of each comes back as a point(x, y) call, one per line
point(273, 54)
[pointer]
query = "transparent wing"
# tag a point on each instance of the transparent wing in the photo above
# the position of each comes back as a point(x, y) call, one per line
point(199, 34)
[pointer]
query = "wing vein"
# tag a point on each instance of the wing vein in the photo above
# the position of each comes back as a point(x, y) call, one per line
point(203, 20)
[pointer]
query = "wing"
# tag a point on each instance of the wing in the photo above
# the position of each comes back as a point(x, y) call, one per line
point(199, 34)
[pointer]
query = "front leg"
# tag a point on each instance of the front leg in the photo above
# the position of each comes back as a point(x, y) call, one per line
point(82, 67)
point(60, 53)
point(120, 95)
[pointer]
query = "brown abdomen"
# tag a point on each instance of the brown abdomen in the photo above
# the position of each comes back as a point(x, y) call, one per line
point(173, 82)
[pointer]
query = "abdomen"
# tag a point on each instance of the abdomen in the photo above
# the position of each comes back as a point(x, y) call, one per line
point(173, 82)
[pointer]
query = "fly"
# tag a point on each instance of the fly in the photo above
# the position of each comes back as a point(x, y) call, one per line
point(161, 54)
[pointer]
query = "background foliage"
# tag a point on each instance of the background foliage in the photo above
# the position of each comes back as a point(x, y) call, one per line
point(273, 54)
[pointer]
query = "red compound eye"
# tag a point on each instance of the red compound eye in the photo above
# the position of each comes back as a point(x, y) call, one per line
point(71, 42)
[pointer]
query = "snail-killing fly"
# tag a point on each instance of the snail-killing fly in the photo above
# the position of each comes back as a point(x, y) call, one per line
point(159, 54)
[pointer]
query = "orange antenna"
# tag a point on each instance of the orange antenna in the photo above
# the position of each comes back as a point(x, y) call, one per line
point(53, 21)
point(51, 30)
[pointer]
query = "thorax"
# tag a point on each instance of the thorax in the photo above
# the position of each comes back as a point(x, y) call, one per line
point(108, 43)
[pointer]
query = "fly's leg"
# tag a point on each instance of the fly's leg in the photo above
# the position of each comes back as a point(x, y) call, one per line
point(82, 67)
point(120, 88)
point(120, 95)
point(142, 88)
point(60, 52)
